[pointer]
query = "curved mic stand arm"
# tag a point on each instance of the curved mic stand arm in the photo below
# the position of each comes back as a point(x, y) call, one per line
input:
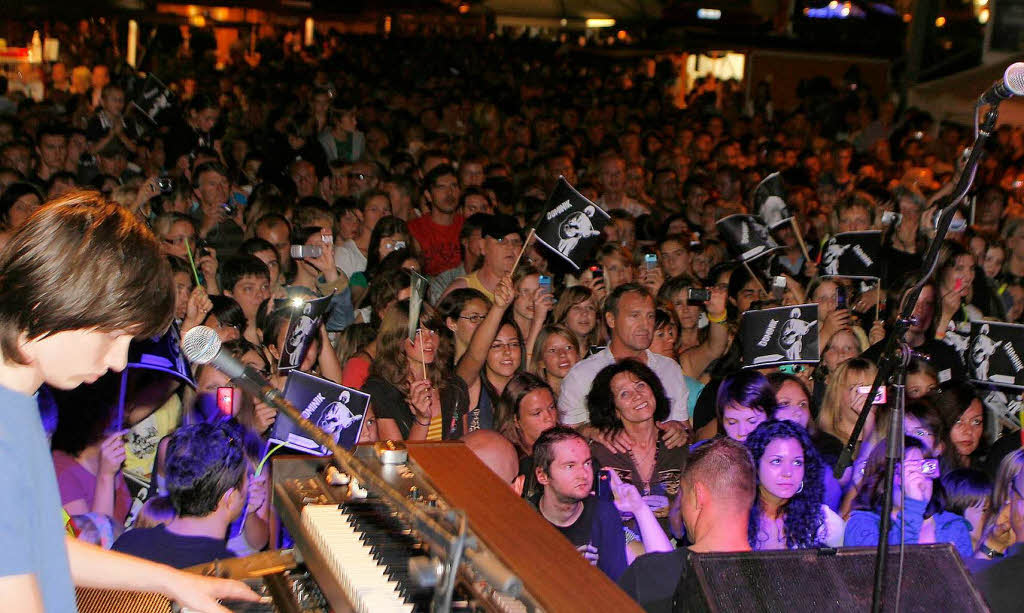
point(893, 356)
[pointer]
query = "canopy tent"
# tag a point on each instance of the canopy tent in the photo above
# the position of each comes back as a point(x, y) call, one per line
point(953, 98)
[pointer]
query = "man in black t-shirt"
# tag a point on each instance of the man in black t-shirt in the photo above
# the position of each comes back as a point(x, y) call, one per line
point(561, 459)
point(207, 486)
point(716, 492)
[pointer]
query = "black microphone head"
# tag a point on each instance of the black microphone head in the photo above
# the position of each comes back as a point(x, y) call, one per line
point(1013, 78)
point(200, 344)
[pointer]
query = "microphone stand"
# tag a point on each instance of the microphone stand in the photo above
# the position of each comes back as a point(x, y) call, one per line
point(896, 356)
point(454, 542)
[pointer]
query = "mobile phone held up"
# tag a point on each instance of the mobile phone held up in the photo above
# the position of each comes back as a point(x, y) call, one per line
point(225, 400)
point(698, 295)
point(597, 272)
point(306, 251)
point(840, 298)
point(880, 396)
point(650, 261)
point(545, 283)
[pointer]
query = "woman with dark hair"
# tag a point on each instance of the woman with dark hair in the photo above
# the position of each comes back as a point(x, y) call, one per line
point(227, 318)
point(960, 407)
point(87, 458)
point(409, 405)
point(353, 255)
point(796, 405)
point(627, 397)
point(527, 408)
point(745, 399)
point(494, 355)
point(18, 201)
point(391, 234)
point(789, 512)
point(917, 503)
point(462, 310)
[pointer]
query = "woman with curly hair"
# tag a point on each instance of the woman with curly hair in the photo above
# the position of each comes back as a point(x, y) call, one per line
point(628, 398)
point(789, 512)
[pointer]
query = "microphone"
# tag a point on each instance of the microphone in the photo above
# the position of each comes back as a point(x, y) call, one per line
point(1012, 84)
point(201, 345)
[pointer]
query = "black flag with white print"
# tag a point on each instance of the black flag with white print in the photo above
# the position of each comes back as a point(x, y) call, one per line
point(335, 409)
point(781, 335)
point(571, 225)
point(769, 201)
point(994, 354)
point(853, 255)
point(746, 236)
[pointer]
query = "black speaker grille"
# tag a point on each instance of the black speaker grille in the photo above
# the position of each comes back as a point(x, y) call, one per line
point(934, 579)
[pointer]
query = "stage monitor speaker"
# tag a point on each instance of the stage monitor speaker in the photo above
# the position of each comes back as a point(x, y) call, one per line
point(827, 580)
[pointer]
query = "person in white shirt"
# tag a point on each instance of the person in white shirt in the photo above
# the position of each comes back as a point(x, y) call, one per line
point(629, 313)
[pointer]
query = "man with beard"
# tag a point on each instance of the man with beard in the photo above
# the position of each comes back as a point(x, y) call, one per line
point(437, 234)
point(561, 459)
point(629, 313)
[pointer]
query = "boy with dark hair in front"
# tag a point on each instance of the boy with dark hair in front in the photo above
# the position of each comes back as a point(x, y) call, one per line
point(246, 278)
point(78, 281)
point(206, 485)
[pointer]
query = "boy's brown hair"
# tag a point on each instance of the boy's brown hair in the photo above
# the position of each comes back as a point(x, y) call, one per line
point(82, 262)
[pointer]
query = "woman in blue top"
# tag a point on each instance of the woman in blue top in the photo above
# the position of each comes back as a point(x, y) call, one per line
point(920, 507)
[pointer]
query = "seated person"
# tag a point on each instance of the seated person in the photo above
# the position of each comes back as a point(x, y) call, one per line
point(926, 519)
point(562, 462)
point(206, 485)
point(716, 491)
point(628, 397)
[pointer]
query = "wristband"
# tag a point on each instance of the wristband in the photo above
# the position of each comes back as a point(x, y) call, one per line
point(988, 552)
point(425, 425)
point(717, 320)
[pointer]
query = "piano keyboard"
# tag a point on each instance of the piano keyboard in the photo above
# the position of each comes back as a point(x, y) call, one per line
point(368, 550)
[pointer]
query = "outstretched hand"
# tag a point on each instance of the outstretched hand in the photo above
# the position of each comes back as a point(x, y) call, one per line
point(627, 497)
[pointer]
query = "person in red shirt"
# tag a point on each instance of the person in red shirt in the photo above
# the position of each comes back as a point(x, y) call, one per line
point(437, 234)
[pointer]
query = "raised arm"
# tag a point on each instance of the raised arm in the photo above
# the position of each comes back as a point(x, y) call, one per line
point(468, 368)
point(694, 361)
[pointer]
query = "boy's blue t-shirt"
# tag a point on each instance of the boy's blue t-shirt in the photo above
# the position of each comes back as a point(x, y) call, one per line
point(31, 522)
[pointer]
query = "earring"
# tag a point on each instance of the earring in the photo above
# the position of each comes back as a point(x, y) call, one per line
point(801, 488)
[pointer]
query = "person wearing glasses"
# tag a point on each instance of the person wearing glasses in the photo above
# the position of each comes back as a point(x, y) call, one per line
point(462, 311)
point(917, 503)
point(494, 356)
point(502, 242)
point(412, 393)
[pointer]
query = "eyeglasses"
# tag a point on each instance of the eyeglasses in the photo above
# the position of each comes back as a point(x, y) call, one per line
point(475, 318)
point(512, 346)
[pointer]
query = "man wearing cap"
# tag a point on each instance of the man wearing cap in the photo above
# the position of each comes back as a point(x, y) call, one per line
point(503, 240)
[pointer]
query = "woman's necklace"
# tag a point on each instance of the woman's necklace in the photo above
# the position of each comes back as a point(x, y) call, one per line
point(645, 465)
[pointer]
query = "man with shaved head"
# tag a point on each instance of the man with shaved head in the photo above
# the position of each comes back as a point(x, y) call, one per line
point(498, 454)
point(716, 491)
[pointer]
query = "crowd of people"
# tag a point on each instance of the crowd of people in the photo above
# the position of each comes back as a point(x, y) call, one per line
point(619, 400)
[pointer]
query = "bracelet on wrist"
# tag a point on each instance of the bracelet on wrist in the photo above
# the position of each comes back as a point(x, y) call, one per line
point(989, 553)
point(717, 320)
point(426, 425)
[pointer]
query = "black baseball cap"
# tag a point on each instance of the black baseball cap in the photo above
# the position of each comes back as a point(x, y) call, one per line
point(499, 226)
